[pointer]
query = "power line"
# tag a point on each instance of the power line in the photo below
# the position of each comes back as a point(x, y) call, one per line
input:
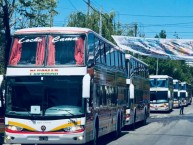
point(72, 5)
point(96, 4)
point(158, 16)
point(164, 25)
point(171, 32)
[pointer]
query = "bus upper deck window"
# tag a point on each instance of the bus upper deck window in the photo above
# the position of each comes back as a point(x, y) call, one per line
point(27, 50)
point(65, 50)
point(16, 52)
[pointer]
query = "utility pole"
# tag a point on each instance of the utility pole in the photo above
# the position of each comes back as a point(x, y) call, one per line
point(51, 14)
point(100, 23)
point(88, 11)
point(135, 29)
point(157, 67)
point(100, 13)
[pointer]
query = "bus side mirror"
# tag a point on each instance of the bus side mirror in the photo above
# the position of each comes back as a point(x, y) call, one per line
point(90, 62)
point(86, 86)
point(131, 89)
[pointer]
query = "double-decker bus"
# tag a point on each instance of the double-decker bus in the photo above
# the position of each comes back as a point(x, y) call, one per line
point(161, 93)
point(2, 110)
point(139, 90)
point(176, 101)
point(64, 85)
point(186, 93)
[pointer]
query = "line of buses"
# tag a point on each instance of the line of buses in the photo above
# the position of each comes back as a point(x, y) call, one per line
point(166, 93)
point(66, 85)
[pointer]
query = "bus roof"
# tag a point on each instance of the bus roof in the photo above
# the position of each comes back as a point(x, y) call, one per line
point(61, 30)
point(41, 30)
point(175, 80)
point(183, 83)
point(159, 76)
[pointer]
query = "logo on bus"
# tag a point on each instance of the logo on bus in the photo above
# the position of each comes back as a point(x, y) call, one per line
point(43, 127)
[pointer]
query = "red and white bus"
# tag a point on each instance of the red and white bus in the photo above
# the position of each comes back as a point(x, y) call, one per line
point(138, 108)
point(64, 85)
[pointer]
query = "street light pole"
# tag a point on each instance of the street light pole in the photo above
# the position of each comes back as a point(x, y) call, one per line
point(100, 22)
point(157, 67)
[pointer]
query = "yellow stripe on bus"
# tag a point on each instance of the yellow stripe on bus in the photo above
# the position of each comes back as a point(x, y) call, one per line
point(54, 129)
point(66, 125)
point(21, 125)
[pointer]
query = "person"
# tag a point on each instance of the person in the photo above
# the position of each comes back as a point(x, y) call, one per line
point(182, 106)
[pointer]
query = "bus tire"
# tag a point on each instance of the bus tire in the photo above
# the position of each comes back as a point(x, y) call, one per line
point(95, 134)
point(118, 128)
point(145, 118)
point(134, 121)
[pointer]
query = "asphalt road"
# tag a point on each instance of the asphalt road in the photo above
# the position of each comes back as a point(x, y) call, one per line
point(161, 129)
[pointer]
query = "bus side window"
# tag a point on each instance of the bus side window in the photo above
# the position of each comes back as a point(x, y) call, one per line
point(108, 55)
point(91, 47)
point(113, 96)
point(97, 50)
point(104, 96)
point(112, 57)
point(98, 101)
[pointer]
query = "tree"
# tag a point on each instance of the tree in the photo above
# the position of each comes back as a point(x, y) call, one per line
point(77, 19)
point(162, 34)
point(6, 12)
point(80, 19)
point(31, 12)
point(36, 13)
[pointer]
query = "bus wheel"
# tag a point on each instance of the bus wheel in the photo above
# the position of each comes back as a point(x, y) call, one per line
point(95, 136)
point(145, 118)
point(134, 122)
point(118, 128)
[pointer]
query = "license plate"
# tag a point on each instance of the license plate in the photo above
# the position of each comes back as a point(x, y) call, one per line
point(43, 138)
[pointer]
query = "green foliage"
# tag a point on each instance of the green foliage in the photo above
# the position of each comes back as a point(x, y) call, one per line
point(77, 19)
point(27, 13)
point(162, 34)
point(174, 68)
point(36, 13)
point(80, 19)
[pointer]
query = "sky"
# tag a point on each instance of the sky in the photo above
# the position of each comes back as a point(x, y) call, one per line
point(152, 16)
